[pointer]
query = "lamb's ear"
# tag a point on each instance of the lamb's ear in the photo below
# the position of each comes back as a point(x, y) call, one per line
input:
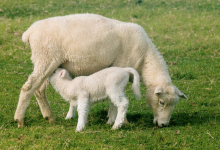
point(62, 73)
point(180, 94)
point(158, 90)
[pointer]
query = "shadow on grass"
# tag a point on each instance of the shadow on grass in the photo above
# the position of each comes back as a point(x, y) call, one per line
point(196, 118)
point(140, 120)
point(146, 119)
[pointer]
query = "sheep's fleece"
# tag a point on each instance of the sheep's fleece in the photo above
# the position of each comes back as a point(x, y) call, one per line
point(83, 91)
point(86, 43)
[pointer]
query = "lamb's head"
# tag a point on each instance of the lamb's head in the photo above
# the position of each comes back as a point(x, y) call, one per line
point(162, 100)
point(59, 74)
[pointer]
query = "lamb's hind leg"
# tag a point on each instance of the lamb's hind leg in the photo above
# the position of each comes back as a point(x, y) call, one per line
point(71, 112)
point(38, 76)
point(122, 105)
point(83, 110)
point(45, 108)
point(112, 113)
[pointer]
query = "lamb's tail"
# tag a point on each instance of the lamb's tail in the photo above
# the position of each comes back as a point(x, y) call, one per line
point(136, 82)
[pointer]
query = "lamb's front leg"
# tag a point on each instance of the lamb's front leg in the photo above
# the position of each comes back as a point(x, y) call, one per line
point(83, 110)
point(71, 112)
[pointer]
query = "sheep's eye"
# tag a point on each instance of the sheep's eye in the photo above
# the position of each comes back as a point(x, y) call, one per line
point(162, 103)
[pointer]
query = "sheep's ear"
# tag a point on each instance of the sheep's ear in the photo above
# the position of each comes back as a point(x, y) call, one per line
point(62, 73)
point(181, 95)
point(158, 90)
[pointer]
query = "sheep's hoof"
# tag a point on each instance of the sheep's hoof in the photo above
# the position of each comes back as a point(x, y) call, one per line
point(46, 118)
point(51, 119)
point(126, 121)
point(20, 122)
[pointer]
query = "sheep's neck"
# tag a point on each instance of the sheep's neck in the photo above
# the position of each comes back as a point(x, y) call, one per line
point(155, 70)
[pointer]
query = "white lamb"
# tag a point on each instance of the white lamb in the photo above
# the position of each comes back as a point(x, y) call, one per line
point(86, 43)
point(82, 91)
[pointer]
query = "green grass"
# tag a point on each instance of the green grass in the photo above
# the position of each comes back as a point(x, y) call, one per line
point(185, 32)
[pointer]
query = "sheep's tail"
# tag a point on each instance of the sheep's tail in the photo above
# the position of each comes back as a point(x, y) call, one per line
point(136, 82)
point(26, 35)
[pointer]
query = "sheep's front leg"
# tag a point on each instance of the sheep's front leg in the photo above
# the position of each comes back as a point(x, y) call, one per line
point(71, 112)
point(45, 108)
point(83, 110)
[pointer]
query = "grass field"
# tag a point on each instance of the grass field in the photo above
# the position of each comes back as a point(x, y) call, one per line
point(187, 33)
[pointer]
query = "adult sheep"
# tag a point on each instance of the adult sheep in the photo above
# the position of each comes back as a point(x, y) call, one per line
point(86, 43)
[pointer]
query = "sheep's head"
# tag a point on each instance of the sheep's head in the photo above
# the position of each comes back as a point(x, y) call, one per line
point(162, 101)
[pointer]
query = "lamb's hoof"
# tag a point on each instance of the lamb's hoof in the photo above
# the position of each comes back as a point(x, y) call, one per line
point(51, 119)
point(79, 129)
point(117, 126)
point(114, 128)
point(20, 122)
point(110, 122)
point(69, 118)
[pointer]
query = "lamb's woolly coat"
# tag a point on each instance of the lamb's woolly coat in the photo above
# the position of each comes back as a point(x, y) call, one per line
point(87, 43)
point(84, 90)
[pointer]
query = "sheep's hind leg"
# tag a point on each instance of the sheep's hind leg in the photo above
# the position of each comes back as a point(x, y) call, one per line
point(45, 108)
point(38, 76)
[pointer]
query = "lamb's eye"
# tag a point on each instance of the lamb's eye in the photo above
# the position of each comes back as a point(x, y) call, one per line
point(162, 103)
